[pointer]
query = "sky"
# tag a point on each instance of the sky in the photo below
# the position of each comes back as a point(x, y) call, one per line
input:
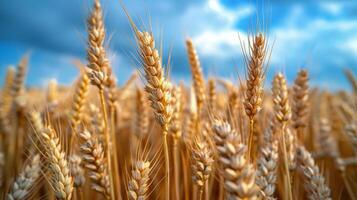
point(320, 36)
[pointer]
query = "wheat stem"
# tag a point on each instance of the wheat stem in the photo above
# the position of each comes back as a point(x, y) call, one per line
point(108, 142)
point(167, 166)
point(176, 168)
point(286, 165)
point(115, 156)
point(250, 139)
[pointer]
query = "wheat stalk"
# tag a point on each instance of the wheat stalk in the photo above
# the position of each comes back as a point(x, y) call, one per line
point(2, 167)
point(291, 143)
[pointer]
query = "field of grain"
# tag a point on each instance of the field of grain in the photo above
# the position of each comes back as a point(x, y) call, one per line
point(153, 138)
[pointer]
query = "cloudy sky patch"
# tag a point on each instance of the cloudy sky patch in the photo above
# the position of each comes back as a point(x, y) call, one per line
point(318, 35)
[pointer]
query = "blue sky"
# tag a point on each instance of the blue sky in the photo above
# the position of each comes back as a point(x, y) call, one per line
point(318, 35)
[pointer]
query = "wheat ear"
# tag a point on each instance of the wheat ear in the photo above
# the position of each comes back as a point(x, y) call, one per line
point(255, 78)
point(176, 132)
point(326, 143)
point(351, 131)
point(352, 79)
point(75, 166)
point(96, 120)
point(139, 180)
point(212, 95)
point(61, 180)
point(100, 70)
point(6, 102)
point(93, 157)
point(238, 174)
point(281, 100)
point(52, 93)
point(158, 90)
point(141, 116)
point(6, 90)
point(24, 181)
point(79, 99)
point(197, 75)
point(202, 161)
point(19, 79)
point(315, 183)
point(300, 102)
point(112, 93)
point(266, 177)
point(282, 114)
point(177, 115)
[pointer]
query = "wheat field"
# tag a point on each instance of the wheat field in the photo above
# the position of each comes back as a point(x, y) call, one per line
point(153, 138)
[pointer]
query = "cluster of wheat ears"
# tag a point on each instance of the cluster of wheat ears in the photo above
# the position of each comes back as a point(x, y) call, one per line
point(212, 140)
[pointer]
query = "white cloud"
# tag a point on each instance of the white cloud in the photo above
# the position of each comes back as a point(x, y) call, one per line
point(221, 43)
point(287, 43)
point(293, 41)
point(231, 16)
point(331, 7)
point(350, 45)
